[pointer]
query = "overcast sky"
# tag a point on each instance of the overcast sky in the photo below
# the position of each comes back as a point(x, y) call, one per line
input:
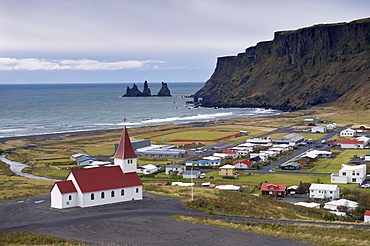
point(136, 40)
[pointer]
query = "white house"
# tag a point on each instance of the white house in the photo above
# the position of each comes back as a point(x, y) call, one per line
point(262, 156)
point(318, 129)
point(358, 143)
point(333, 205)
point(367, 156)
point(228, 187)
point(243, 164)
point(191, 174)
point(308, 204)
point(147, 169)
point(348, 133)
point(101, 185)
point(324, 191)
point(350, 174)
point(367, 216)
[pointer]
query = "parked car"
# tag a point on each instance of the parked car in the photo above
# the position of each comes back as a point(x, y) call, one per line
point(366, 186)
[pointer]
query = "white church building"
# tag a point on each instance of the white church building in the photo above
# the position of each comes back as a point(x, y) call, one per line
point(101, 185)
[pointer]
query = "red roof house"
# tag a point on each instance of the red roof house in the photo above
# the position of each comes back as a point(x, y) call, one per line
point(274, 189)
point(243, 164)
point(367, 216)
point(101, 185)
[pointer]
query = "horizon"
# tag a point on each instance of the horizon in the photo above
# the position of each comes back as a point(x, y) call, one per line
point(64, 41)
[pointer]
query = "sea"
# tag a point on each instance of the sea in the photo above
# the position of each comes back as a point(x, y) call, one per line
point(34, 109)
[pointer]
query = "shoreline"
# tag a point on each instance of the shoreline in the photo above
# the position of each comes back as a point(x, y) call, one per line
point(150, 128)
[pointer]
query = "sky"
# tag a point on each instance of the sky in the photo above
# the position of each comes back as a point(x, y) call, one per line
point(64, 41)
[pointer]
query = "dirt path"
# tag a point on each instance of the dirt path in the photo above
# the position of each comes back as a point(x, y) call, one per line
point(144, 222)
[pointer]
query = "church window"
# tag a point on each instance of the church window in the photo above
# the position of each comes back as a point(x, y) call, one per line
point(92, 196)
point(137, 190)
point(102, 195)
point(122, 192)
point(70, 197)
point(112, 193)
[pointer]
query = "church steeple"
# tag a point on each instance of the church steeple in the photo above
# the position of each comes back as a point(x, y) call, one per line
point(125, 155)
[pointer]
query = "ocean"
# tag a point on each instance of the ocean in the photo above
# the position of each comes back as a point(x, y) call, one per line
point(33, 109)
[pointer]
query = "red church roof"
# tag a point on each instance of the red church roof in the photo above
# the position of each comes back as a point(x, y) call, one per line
point(367, 213)
point(125, 150)
point(273, 186)
point(104, 178)
point(66, 186)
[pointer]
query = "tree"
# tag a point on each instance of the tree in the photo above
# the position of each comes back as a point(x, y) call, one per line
point(301, 189)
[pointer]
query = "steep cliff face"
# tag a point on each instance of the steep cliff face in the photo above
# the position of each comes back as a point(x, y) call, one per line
point(297, 69)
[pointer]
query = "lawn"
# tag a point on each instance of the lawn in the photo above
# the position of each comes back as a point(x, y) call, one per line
point(193, 135)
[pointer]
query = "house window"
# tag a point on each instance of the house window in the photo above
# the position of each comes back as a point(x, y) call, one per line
point(102, 195)
point(112, 193)
point(344, 173)
point(137, 190)
point(92, 197)
point(70, 197)
point(331, 192)
point(122, 192)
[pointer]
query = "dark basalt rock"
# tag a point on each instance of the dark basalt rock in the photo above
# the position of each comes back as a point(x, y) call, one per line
point(164, 91)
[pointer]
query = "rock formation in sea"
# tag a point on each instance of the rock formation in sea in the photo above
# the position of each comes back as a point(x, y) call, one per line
point(135, 92)
point(322, 64)
point(164, 91)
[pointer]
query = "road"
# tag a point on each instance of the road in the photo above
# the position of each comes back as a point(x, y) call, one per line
point(144, 222)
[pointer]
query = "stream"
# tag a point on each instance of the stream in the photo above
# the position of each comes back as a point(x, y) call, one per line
point(17, 168)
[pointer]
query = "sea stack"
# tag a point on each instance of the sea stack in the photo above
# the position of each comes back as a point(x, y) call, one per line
point(164, 91)
point(135, 92)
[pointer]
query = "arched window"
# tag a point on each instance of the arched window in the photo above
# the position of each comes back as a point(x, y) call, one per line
point(70, 197)
point(137, 190)
point(112, 193)
point(122, 192)
point(102, 195)
point(92, 196)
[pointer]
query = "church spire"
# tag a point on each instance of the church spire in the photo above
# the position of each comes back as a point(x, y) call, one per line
point(125, 150)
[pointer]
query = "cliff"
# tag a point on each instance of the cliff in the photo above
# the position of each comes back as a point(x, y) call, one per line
point(164, 91)
point(296, 70)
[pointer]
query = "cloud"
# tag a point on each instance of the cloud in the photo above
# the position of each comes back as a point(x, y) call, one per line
point(33, 64)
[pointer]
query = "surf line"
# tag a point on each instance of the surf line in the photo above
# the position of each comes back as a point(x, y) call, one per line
point(17, 168)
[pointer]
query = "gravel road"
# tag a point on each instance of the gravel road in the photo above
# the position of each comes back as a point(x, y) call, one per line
point(144, 222)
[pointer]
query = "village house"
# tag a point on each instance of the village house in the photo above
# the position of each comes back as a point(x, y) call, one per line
point(290, 139)
point(274, 189)
point(101, 185)
point(318, 129)
point(290, 166)
point(350, 174)
point(230, 153)
point(227, 170)
point(351, 143)
point(191, 174)
point(308, 204)
point(331, 126)
point(243, 164)
point(260, 141)
point(364, 128)
point(334, 205)
point(78, 155)
point(262, 157)
point(174, 168)
point(86, 160)
point(147, 169)
point(367, 216)
point(303, 161)
point(367, 156)
point(348, 133)
point(312, 120)
point(324, 191)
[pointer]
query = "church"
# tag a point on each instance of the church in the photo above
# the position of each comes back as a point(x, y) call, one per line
point(101, 185)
